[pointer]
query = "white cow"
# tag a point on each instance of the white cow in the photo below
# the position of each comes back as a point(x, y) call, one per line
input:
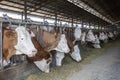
point(110, 35)
point(102, 36)
point(77, 34)
point(90, 36)
point(96, 42)
point(83, 36)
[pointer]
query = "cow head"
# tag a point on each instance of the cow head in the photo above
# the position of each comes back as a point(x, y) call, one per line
point(43, 65)
point(96, 42)
point(96, 39)
point(102, 36)
point(59, 57)
point(24, 44)
point(62, 45)
point(76, 54)
point(83, 35)
point(110, 35)
point(90, 36)
point(77, 33)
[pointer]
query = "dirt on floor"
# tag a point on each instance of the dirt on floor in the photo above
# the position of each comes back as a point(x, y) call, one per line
point(70, 68)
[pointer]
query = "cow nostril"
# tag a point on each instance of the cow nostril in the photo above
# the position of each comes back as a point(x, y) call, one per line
point(34, 51)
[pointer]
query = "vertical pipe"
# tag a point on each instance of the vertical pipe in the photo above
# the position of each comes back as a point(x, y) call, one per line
point(1, 58)
point(22, 16)
point(55, 19)
point(25, 9)
point(89, 24)
point(56, 28)
point(72, 20)
point(82, 22)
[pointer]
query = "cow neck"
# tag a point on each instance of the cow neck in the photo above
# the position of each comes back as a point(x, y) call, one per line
point(70, 44)
point(41, 54)
point(50, 46)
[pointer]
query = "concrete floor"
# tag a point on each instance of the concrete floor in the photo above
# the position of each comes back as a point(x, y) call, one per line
point(104, 65)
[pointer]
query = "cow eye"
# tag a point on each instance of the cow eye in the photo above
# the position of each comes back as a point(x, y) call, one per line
point(22, 38)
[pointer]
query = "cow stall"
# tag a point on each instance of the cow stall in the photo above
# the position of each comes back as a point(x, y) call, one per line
point(26, 68)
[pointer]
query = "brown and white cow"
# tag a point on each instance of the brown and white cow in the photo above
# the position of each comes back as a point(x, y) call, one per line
point(42, 59)
point(74, 50)
point(54, 41)
point(17, 42)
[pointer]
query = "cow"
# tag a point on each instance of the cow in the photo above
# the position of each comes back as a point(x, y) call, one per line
point(83, 37)
point(16, 42)
point(42, 59)
point(54, 41)
point(90, 38)
point(77, 34)
point(96, 42)
point(74, 50)
point(51, 40)
point(110, 36)
point(103, 37)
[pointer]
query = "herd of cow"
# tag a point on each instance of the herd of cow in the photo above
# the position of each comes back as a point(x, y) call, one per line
point(23, 40)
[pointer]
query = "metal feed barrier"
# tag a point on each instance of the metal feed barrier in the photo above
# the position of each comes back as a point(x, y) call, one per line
point(25, 68)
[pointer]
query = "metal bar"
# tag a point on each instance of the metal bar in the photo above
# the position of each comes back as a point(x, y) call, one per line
point(22, 16)
point(82, 22)
point(1, 58)
point(72, 21)
point(25, 9)
point(56, 19)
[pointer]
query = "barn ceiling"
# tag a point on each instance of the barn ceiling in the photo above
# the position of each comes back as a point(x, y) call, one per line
point(65, 9)
point(108, 8)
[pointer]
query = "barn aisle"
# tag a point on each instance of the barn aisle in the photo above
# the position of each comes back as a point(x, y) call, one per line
point(105, 67)
point(98, 64)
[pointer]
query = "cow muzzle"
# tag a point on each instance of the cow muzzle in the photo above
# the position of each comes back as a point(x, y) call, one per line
point(33, 52)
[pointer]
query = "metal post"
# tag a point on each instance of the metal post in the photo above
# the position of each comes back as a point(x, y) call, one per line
point(82, 24)
point(22, 16)
point(25, 9)
point(72, 20)
point(89, 24)
point(1, 58)
point(55, 19)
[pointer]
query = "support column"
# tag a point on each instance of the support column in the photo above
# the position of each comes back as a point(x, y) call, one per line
point(1, 56)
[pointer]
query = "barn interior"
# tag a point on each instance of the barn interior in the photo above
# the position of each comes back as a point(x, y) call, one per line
point(96, 15)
